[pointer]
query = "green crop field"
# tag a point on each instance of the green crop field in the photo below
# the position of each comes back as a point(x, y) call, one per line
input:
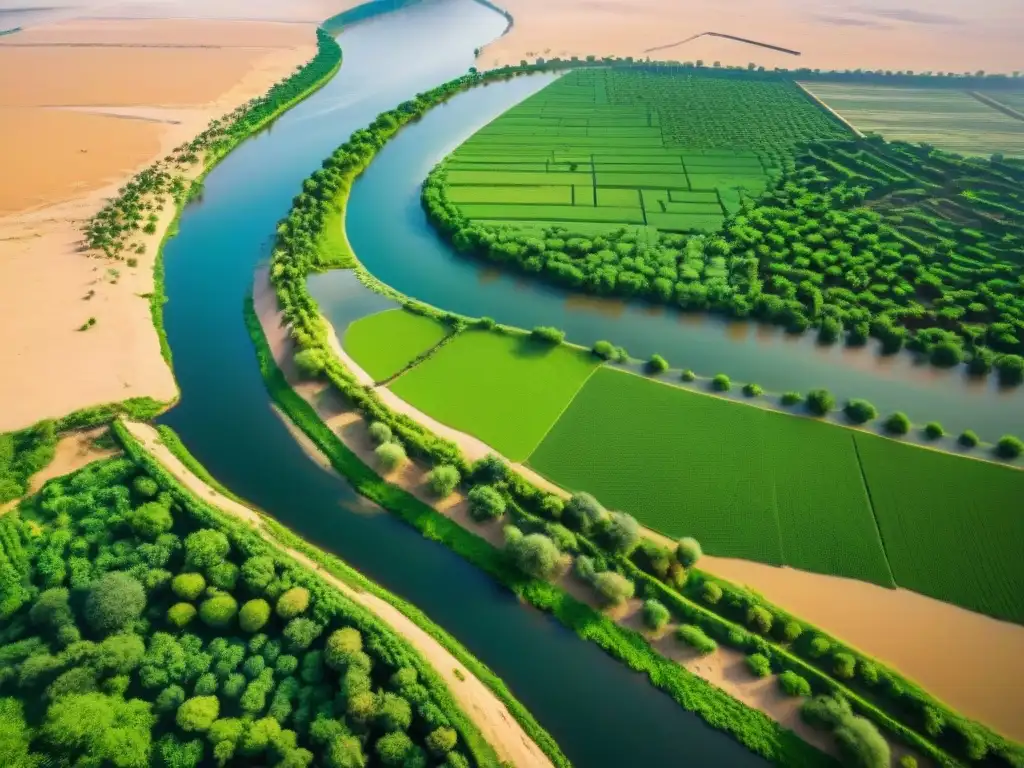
point(945, 118)
point(623, 143)
point(384, 343)
point(506, 390)
point(766, 486)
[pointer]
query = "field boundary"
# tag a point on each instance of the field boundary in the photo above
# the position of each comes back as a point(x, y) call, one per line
point(990, 102)
point(871, 506)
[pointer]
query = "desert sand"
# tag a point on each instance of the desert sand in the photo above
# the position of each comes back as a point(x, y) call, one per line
point(486, 710)
point(95, 101)
point(944, 35)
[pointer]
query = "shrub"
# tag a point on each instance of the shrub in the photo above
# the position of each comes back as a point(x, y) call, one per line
point(552, 506)
point(721, 383)
point(860, 411)
point(205, 548)
point(622, 533)
point(1009, 447)
point(534, 554)
point(198, 714)
point(820, 401)
point(146, 487)
point(379, 432)
point(393, 748)
point(657, 364)
point(258, 572)
point(443, 480)
point(819, 646)
point(933, 430)
point(292, 603)
point(908, 761)
point(180, 614)
point(688, 552)
point(825, 711)
point(342, 646)
point(584, 512)
point(946, 354)
point(759, 665)
point(285, 665)
point(613, 588)
point(862, 744)
point(656, 615)
point(793, 685)
point(547, 334)
point(897, 424)
point(759, 618)
point(223, 575)
point(792, 398)
point(390, 456)
point(711, 593)
point(488, 470)
point(485, 503)
point(310, 362)
point(441, 741)
point(752, 390)
point(254, 615)
point(844, 665)
point(968, 439)
point(301, 632)
point(150, 520)
point(218, 611)
point(169, 699)
point(1010, 369)
point(188, 586)
point(115, 600)
point(393, 712)
point(688, 375)
point(791, 631)
point(604, 349)
point(694, 637)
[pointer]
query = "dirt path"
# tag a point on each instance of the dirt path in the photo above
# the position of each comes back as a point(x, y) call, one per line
point(489, 714)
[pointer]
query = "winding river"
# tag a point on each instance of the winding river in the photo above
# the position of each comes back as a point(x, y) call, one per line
point(601, 713)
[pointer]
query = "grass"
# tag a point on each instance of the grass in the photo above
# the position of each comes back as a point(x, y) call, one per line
point(766, 486)
point(506, 390)
point(385, 343)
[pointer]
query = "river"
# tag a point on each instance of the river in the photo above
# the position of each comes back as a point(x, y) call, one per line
point(600, 712)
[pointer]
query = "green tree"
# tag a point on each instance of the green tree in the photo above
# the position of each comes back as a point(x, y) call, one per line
point(657, 364)
point(218, 611)
point(390, 455)
point(150, 520)
point(485, 503)
point(534, 554)
point(301, 632)
point(656, 615)
point(1009, 447)
point(860, 411)
point(759, 618)
point(393, 712)
point(393, 748)
point(253, 615)
point(188, 586)
point(622, 532)
point(862, 744)
point(898, 423)
point(100, 729)
point(612, 587)
point(584, 512)
point(379, 432)
point(115, 600)
point(198, 714)
point(180, 615)
point(205, 547)
point(688, 551)
point(721, 383)
point(292, 603)
point(759, 665)
point(968, 439)
point(15, 736)
point(820, 401)
point(310, 362)
point(442, 740)
point(341, 646)
point(443, 480)
point(258, 572)
point(793, 684)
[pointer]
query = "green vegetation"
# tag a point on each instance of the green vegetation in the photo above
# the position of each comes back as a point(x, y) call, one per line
point(475, 381)
point(387, 342)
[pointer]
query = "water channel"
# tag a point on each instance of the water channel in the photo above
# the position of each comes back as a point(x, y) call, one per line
point(601, 713)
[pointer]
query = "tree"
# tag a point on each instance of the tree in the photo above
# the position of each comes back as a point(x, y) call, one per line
point(547, 335)
point(443, 479)
point(862, 744)
point(150, 520)
point(656, 615)
point(583, 512)
point(1010, 369)
point(254, 615)
point(534, 554)
point(604, 349)
point(844, 666)
point(622, 532)
point(393, 748)
point(752, 390)
point(442, 740)
point(218, 611)
point(485, 503)
point(301, 632)
point(820, 401)
point(721, 383)
point(292, 603)
point(310, 362)
point(860, 411)
point(1009, 447)
point(712, 593)
point(188, 586)
point(695, 637)
point(341, 646)
point(146, 487)
point(793, 685)
point(657, 364)
point(198, 714)
point(897, 424)
point(169, 699)
point(613, 588)
point(759, 665)
point(115, 600)
point(390, 455)
point(180, 615)
point(393, 712)
point(968, 438)
point(100, 729)
point(15, 736)
point(51, 609)
point(933, 430)
point(759, 618)
point(205, 547)
point(688, 551)
point(379, 432)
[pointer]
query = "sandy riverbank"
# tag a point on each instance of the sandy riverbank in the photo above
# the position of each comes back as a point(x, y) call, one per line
point(95, 101)
point(881, 34)
point(483, 707)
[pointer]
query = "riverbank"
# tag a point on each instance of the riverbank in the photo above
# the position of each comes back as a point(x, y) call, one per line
point(89, 311)
point(481, 704)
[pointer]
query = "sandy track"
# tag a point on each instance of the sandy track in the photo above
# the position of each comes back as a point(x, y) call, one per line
point(490, 715)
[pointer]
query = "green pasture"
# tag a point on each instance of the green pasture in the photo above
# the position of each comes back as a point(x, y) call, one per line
point(505, 389)
point(767, 486)
point(385, 343)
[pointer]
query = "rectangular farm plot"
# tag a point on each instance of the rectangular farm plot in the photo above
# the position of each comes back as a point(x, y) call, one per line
point(510, 194)
point(622, 197)
point(712, 180)
point(618, 214)
point(653, 180)
point(685, 222)
point(513, 178)
point(504, 389)
point(385, 343)
point(951, 526)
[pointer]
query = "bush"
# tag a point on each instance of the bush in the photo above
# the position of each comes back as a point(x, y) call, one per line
point(441, 741)
point(258, 572)
point(752, 390)
point(390, 455)
point(310, 362)
point(711, 593)
point(301, 633)
point(760, 619)
point(933, 430)
point(825, 711)
point(908, 761)
point(721, 383)
point(254, 615)
point(860, 411)
point(115, 600)
point(820, 401)
point(694, 637)
point(622, 533)
point(1009, 447)
point(1010, 369)
point(819, 646)
point(968, 439)
point(897, 424)
point(656, 615)
point(534, 554)
point(198, 714)
point(218, 611)
point(604, 349)
point(793, 685)
point(657, 364)
point(551, 506)
point(488, 470)
point(146, 487)
point(485, 503)
point(583, 512)
point(443, 480)
point(379, 432)
point(547, 334)
point(844, 665)
point(393, 748)
point(150, 520)
point(688, 552)
point(792, 398)
point(188, 586)
point(688, 375)
point(180, 614)
point(759, 665)
point(205, 548)
point(292, 603)
point(613, 588)
point(342, 646)
point(861, 743)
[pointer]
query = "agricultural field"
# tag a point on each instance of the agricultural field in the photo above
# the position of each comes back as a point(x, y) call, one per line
point(945, 118)
point(505, 389)
point(623, 148)
point(766, 486)
point(385, 343)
